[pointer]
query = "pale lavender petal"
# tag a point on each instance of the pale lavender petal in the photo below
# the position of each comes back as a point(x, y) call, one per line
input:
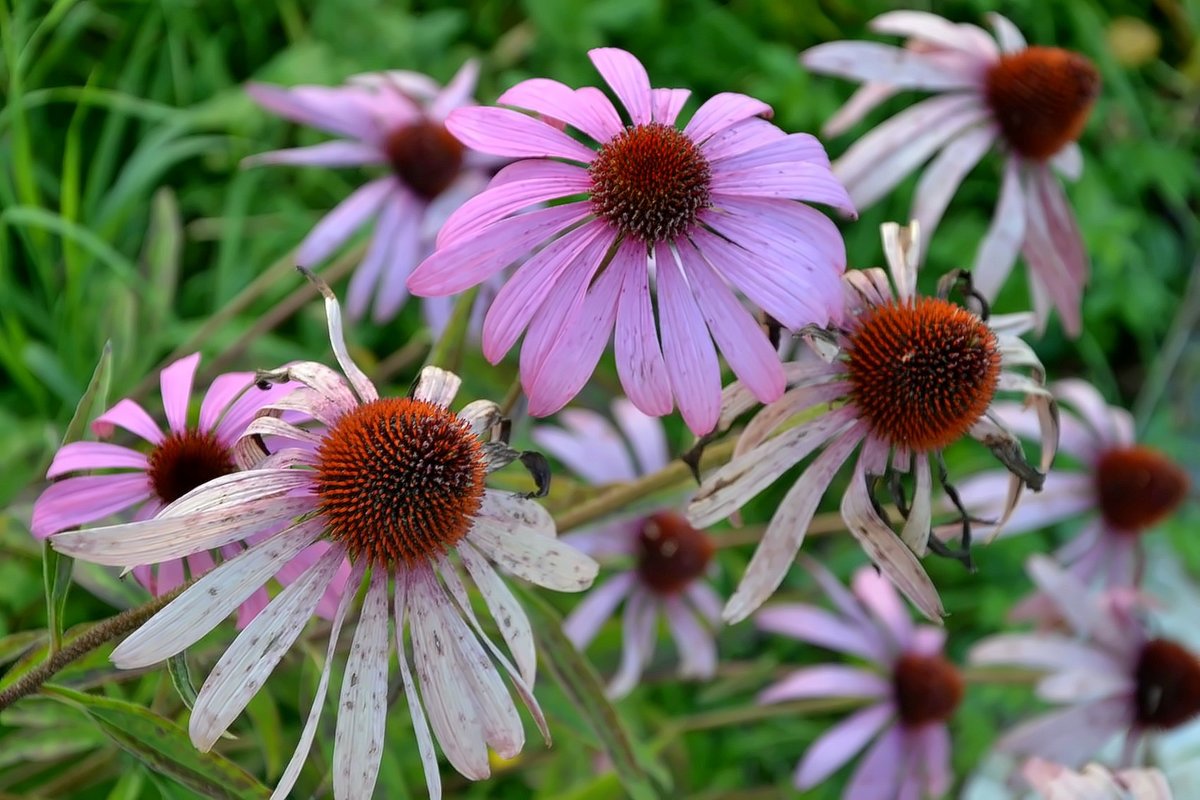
point(880, 598)
point(942, 177)
point(827, 680)
point(536, 558)
point(1003, 241)
point(586, 619)
point(638, 625)
point(819, 627)
point(429, 760)
point(175, 382)
point(592, 447)
point(927, 640)
point(721, 111)
point(1071, 736)
point(1084, 685)
point(1042, 651)
point(1007, 34)
point(396, 218)
point(1054, 246)
point(79, 500)
point(741, 137)
point(691, 360)
point(668, 103)
point(862, 102)
point(1068, 161)
point(363, 707)
point(341, 110)
point(846, 603)
point(796, 180)
point(1064, 496)
point(453, 269)
point(705, 600)
point(879, 772)
point(628, 79)
point(934, 747)
point(80, 456)
point(872, 61)
point(937, 31)
point(505, 610)
point(456, 93)
point(132, 417)
point(695, 645)
point(503, 132)
point(840, 743)
point(555, 100)
point(640, 365)
point(1094, 411)
point(347, 217)
point(1079, 608)
point(325, 154)
point(645, 436)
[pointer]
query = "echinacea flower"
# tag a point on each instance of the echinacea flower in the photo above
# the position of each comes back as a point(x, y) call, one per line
point(669, 557)
point(396, 120)
point(910, 687)
point(1095, 782)
point(185, 456)
point(395, 485)
point(1112, 675)
point(1132, 487)
point(704, 209)
point(1032, 102)
point(909, 376)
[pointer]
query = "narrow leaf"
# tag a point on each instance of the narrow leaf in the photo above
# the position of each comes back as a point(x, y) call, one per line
point(181, 679)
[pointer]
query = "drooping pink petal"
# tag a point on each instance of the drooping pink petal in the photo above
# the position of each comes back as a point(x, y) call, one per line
point(457, 92)
point(1000, 246)
point(1054, 246)
point(827, 680)
point(792, 147)
point(667, 103)
point(820, 627)
point(645, 436)
point(80, 456)
point(637, 642)
point(132, 417)
point(326, 154)
point(862, 102)
point(586, 619)
point(627, 78)
point(555, 100)
point(589, 445)
point(722, 111)
point(840, 743)
point(397, 218)
point(339, 224)
point(872, 61)
point(934, 748)
point(504, 132)
point(1073, 735)
point(937, 30)
point(741, 137)
point(175, 382)
point(691, 360)
point(942, 177)
point(640, 365)
point(695, 645)
point(879, 771)
point(86, 498)
point(877, 595)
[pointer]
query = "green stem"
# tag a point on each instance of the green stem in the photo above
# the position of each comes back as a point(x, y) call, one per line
point(1182, 329)
point(447, 352)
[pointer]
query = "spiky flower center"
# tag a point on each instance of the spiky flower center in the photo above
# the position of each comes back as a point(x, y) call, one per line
point(671, 553)
point(926, 689)
point(1041, 98)
point(425, 156)
point(1168, 685)
point(399, 480)
point(921, 374)
point(649, 182)
point(1138, 487)
point(183, 461)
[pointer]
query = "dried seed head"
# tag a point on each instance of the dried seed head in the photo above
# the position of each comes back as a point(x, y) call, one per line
point(1138, 487)
point(671, 553)
point(1041, 98)
point(927, 689)
point(1168, 685)
point(425, 156)
point(183, 461)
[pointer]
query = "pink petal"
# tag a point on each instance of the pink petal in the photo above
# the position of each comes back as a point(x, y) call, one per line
point(690, 358)
point(872, 61)
point(407, 248)
point(935, 747)
point(792, 147)
point(668, 103)
point(589, 447)
point(879, 772)
point(938, 31)
point(341, 110)
point(1071, 736)
point(742, 137)
point(878, 596)
point(1043, 651)
point(1068, 161)
point(637, 642)
point(722, 111)
point(628, 79)
point(586, 619)
point(76, 501)
point(840, 743)
point(457, 92)
point(827, 680)
point(798, 180)
point(80, 456)
point(1007, 34)
point(1054, 247)
point(695, 645)
point(645, 435)
point(326, 154)
point(176, 384)
point(453, 269)
point(942, 177)
point(819, 627)
point(596, 118)
point(504, 132)
point(347, 217)
point(1003, 241)
point(862, 102)
point(223, 390)
point(132, 417)
point(638, 354)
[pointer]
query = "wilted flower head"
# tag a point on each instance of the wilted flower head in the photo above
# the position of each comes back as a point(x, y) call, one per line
point(1031, 101)
point(187, 455)
point(911, 688)
point(395, 120)
point(909, 376)
point(396, 485)
point(1111, 673)
point(1131, 486)
point(704, 209)
point(1095, 782)
point(670, 558)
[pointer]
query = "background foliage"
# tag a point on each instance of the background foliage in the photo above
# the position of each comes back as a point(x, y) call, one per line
point(125, 216)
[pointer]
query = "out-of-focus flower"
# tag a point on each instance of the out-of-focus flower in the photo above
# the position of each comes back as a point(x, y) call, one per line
point(1096, 782)
point(1031, 101)
point(705, 209)
point(185, 456)
point(909, 376)
point(670, 557)
point(396, 120)
point(1133, 487)
point(911, 688)
point(1113, 676)
point(395, 485)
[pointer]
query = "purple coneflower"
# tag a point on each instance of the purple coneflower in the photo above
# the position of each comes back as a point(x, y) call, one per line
point(395, 485)
point(1095, 782)
point(185, 456)
point(911, 688)
point(392, 119)
point(1133, 487)
point(909, 376)
point(1031, 101)
point(670, 557)
point(705, 209)
point(1112, 675)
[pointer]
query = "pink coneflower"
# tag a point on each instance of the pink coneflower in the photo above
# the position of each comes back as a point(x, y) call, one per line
point(393, 119)
point(705, 209)
point(184, 457)
point(1112, 675)
point(1095, 782)
point(1031, 101)
point(909, 376)
point(911, 688)
point(669, 557)
point(1133, 487)
point(395, 485)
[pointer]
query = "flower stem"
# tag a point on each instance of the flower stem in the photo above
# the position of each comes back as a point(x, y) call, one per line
point(86, 642)
point(447, 351)
point(620, 496)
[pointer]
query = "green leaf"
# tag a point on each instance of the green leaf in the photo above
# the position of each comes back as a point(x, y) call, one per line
point(161, 257)
point(56, 568)
point(163, 746)
point(577, 679)
point(181, 678)
point(13, 645)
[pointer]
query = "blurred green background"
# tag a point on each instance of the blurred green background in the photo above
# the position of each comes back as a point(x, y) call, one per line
point(125, 216)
